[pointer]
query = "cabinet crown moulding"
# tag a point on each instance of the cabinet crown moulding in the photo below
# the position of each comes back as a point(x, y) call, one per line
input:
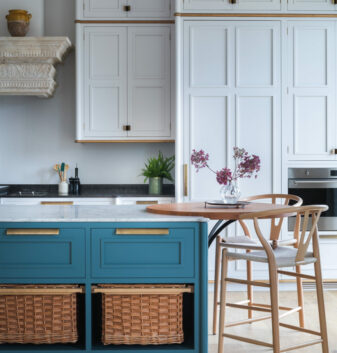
point(27, 64)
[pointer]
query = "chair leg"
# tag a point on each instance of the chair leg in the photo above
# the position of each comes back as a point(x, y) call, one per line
point(216, 282)
point(222, 300)
point(274, 301)
point(250, 288)
point(321, 307)
point(300, 299)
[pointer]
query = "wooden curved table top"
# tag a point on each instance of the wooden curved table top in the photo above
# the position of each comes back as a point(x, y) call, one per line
point(198, 209)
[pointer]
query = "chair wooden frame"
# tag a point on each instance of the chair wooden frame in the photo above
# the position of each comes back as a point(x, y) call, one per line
point(307, 235)
point(275, 232)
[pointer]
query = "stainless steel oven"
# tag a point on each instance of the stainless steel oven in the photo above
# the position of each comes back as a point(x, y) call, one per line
point(316, 186)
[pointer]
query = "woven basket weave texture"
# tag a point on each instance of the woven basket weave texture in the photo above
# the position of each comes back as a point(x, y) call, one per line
point(38, 319)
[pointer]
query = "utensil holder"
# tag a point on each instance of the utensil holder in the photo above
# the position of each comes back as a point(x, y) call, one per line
point(63, 188)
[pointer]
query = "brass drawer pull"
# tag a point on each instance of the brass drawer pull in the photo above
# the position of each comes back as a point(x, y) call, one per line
point(328, 236)
point(69, 203)
point(153, 202)
point(142, 231)
point(32, 231)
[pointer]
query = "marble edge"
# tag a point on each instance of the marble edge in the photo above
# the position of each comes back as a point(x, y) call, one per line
point(105, 220)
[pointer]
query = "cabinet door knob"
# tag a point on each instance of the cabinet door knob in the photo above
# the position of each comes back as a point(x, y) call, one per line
point(334, 151)
point(127, 8)
point(127, 127)
point(234, 1)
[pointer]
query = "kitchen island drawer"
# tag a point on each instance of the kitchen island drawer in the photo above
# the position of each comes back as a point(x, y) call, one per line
point(143, 252)
point(42, 253)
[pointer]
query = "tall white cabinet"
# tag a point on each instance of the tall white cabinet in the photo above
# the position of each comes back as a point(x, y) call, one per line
point(232, 88)
point(311, 91)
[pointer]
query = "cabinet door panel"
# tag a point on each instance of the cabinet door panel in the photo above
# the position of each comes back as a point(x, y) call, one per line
point(42, 256)
point(104, 8)
point(105, 81)
point(255, 5)
point(207, 4)
point(150, 8)
point(209, 58)
point(254, 49)
point(208, 128)
point(143, 256)
point(310, 100)
point(312, 5)
point(149, 81)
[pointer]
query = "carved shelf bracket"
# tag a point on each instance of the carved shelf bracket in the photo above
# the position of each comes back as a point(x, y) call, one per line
point(27, 64)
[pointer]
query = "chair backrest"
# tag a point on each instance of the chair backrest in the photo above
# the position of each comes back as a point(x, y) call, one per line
point(307, 230)
point(282, 199)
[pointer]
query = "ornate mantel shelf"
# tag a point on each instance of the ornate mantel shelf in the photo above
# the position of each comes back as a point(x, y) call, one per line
point(27, 64)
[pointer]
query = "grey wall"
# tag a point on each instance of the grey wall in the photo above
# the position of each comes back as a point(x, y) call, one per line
point(36, 133)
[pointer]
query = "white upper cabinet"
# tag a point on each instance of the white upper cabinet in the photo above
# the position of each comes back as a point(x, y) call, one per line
point(110, 9)
point(312, 5)
point(123, 82)
point(311, 121)
point(149, 81)
point(234, 5)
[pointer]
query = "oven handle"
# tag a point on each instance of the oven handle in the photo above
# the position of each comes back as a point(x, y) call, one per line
point(315, 183)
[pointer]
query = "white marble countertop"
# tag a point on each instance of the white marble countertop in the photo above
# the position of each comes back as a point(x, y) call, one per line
point(65, 213)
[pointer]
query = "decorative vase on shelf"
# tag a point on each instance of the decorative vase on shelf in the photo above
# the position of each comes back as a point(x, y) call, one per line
point(155, 186)
point(18, 22)
point(230, 193)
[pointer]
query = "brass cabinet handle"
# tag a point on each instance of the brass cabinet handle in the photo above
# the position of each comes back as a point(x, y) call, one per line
point(32, 231)
point(55, 203)
point(142, 231)
point(232, 1)
point(328, 236)
point(185, 179)
point(150, 202)
point(126, 127)
point(127, 8)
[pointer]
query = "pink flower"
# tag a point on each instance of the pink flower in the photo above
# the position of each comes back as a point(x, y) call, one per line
point(199, 159)
point(224, 176)
point(246, 166)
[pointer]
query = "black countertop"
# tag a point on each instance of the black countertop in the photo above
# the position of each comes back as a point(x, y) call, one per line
point(86, 190)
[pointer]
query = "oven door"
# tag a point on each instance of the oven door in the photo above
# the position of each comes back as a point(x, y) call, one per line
point(317, 192)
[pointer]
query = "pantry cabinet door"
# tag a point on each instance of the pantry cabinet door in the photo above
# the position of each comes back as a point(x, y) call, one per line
point(150, 8)
point(311, 97)
point(104, 8)
point(208, 101)
point(105, 82)
point(311, 5)
point(149, 81)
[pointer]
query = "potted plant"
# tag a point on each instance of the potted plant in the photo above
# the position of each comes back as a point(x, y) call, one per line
point(157, 169)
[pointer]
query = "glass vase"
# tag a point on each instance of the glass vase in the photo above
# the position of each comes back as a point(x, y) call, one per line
point(230, 193)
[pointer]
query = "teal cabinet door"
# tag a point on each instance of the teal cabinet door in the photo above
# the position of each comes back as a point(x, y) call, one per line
point(122, 253)
point(42, 255)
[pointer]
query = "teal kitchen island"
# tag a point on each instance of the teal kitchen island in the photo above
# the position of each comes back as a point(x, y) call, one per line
point(92, 245)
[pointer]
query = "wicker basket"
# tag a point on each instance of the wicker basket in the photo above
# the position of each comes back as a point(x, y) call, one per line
point(38, 313)
point(142, 314)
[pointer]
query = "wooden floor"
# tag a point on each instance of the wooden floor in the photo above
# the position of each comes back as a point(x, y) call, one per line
point(262, 330)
